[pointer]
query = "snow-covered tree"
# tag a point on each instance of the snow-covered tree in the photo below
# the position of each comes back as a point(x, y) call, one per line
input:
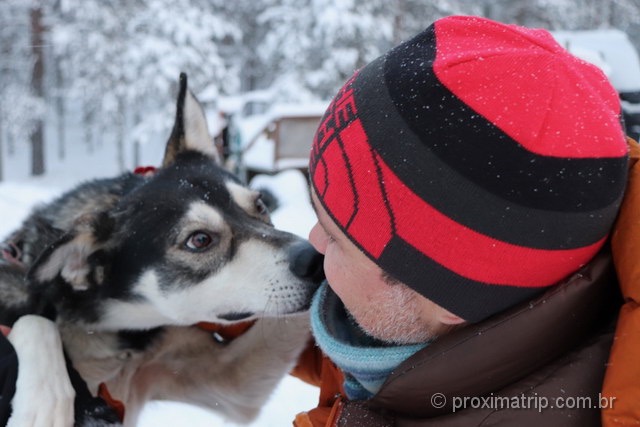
point(123, 58)
point(114, 64)
point(565, 14)
point(20, 107)
point(314, 45)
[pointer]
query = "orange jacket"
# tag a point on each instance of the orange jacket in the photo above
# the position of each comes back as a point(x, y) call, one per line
point(622, 379)
point(316, 369)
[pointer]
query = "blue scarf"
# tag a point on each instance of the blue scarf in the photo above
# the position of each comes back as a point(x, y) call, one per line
point(365, 361)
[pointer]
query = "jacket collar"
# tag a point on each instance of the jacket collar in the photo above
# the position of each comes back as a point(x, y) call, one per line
point(485, 357)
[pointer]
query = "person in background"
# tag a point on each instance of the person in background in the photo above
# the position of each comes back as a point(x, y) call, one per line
point(466, 184)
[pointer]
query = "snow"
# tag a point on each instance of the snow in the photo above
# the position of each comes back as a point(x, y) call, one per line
point(294, 212)
point(611, 50)
point(19, 193)
point(291, 396)
point(260, 154)
point(16, 199)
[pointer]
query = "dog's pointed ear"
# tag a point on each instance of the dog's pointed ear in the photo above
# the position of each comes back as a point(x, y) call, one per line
point(190, 131)
point(73, 257)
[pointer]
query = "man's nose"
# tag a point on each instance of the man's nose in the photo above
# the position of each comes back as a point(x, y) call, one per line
point(305, 262)
point(317, 238)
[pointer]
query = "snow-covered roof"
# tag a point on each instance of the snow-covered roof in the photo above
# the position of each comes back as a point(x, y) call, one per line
point(298, 110)
point(235, 103)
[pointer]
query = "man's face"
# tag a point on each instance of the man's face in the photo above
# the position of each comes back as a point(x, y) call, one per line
point(384, 308)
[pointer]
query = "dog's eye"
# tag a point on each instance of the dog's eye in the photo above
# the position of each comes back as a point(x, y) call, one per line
point(261, 206)
point(199, 241)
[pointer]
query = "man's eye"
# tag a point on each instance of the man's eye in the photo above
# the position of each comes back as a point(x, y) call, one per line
point(330, 238)
point(200, 241)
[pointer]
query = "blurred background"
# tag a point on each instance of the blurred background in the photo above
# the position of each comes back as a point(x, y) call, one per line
point(100, 76)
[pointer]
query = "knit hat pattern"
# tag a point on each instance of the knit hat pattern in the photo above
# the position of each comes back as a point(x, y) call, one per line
point(478, 163)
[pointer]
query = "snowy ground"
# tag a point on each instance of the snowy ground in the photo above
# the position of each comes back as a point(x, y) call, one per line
point(18, 193)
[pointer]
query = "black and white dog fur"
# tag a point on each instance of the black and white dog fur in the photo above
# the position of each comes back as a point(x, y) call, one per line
point(123, 267)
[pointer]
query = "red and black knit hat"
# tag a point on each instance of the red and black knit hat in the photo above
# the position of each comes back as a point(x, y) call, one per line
point(477, 163)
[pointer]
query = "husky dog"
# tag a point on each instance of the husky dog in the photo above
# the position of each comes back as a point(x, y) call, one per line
point(126, 266)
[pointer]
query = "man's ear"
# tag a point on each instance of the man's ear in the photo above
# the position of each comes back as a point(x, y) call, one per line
point(190, 131)
point(72, 257)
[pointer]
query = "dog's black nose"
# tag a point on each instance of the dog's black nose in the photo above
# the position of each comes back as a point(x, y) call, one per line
point(305, 262)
